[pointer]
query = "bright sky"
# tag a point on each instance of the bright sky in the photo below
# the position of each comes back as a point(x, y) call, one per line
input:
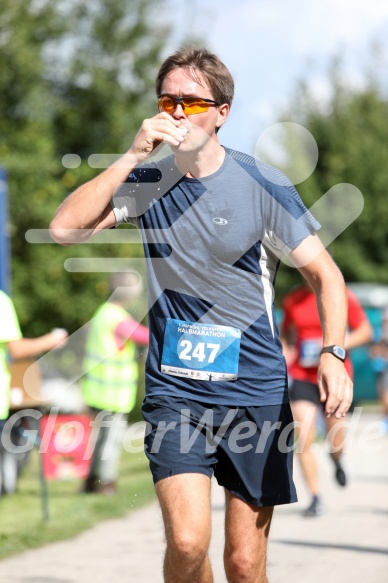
point(269, 45)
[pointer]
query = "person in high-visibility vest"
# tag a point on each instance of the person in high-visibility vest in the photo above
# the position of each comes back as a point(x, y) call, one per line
point(13, 345)
point(109, 384)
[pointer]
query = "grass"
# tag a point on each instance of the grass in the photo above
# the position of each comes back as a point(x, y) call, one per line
point(22, 519)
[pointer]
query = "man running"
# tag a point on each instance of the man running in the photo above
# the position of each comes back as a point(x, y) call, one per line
point(214, 223)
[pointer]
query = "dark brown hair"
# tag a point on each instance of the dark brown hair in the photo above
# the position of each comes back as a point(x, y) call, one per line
point(218, 77)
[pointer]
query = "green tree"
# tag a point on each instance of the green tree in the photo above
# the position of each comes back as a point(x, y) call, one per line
point(352, 137)
point(76, 77)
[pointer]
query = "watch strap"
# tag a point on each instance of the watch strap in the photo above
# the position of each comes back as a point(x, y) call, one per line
point(336, 351)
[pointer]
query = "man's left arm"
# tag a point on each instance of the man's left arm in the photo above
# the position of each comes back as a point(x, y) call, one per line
point(326, 280)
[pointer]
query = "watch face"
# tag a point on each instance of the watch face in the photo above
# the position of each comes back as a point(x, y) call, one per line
point(340, 352)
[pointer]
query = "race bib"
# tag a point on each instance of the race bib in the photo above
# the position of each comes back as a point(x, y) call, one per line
point(310, 352)
point(206, 352)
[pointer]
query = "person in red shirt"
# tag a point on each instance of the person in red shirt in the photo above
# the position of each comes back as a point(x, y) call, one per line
point(302, 343)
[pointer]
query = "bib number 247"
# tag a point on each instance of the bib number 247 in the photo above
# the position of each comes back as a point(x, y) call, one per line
point(200, 351)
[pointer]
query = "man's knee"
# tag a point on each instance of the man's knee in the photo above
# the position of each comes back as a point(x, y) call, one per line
point(188, 545)
point(242, 564)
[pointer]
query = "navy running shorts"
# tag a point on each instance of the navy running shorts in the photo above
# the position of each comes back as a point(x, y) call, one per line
point(249, 449)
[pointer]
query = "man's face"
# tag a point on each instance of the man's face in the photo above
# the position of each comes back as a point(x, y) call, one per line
point(201, 126)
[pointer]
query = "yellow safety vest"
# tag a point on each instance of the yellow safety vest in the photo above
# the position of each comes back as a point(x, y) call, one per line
point(110, 379)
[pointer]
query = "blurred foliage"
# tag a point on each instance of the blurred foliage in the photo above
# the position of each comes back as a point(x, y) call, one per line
point(352, 137)
point(75, 77)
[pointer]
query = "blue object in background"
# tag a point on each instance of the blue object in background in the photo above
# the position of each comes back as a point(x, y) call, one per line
point(374, 299)
point(4, 234)
point(365, 385)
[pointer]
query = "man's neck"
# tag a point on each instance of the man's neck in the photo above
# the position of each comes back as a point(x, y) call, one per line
point(202, 163)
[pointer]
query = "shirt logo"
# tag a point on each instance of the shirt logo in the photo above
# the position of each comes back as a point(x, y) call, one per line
point(220, 221)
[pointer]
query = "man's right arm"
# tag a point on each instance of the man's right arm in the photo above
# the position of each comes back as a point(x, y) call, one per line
point(87, 210)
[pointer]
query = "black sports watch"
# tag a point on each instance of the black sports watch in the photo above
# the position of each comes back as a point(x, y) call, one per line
point(337, 351)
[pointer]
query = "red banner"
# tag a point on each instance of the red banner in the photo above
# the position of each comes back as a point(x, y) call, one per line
point(65, 446)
